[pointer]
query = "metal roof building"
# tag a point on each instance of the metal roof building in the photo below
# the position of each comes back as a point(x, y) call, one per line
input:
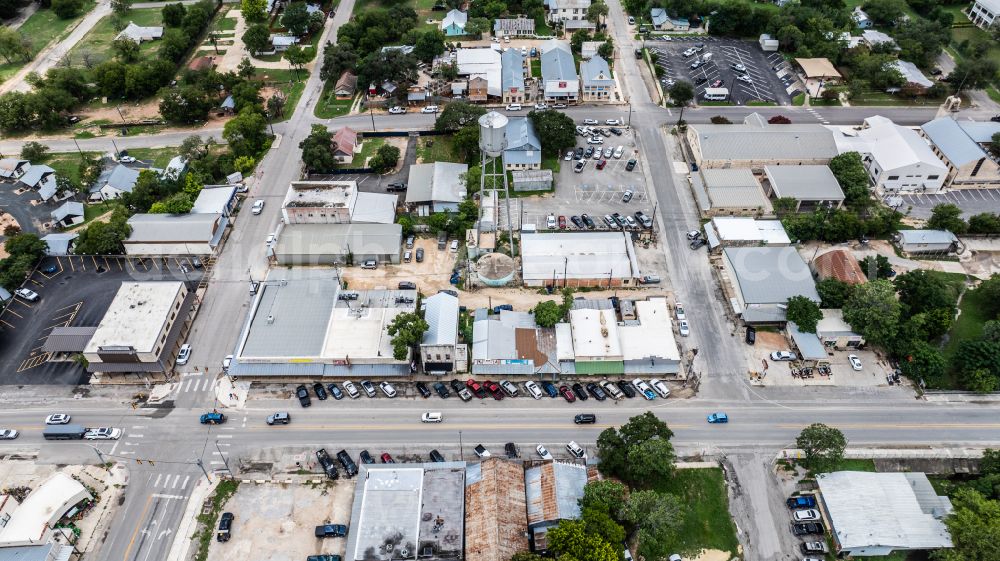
point(440, 185)
point(912, 74)
point(512, 71)
point(898, 160)
point(764, 278)
point(839, 264)
point(578, 259)
point(329, 244)
point(60, 243)
point(813, 185)
point(755, 144)
point(406, 511)
point(524, 148)
point(927, 241)
point(481, 61)
point(552, 491)
point(808, 344)
point(878, 513)
point(496, 521)
point(734, 192)
point(174, 234)
point(559, 78)
point(733, 231)
point(958, 144)
point(32, 521)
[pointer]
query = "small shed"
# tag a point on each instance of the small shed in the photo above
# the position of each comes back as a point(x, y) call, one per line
point(810, 349)
point(927, 241)
point(532, 179)
point(767, 43)
point(68, 214)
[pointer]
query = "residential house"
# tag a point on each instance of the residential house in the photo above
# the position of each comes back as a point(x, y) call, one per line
point(567, 10)
point(512, 77)
point(438, 187)
point(439, 346)
point(839, 264)
point(812, 187)
point(345, 145)
point(663, 22)
point(42, 179)
point(598, 84)
point(521, 26)
point(140, 34)
point(280, 43)
point(454, 23)
point(560, 82)
point(68, 214)
point(914, 79)
point(762, 280)
point(524, 149)
point(984, 12)
point(13, 168)
point(927, 241)
point(228, 105)
point(898, 160)
point(861, 19)
point(969, 164)
point(873, 38)
point(346, 85)
point(202, 63)
point(115, 182)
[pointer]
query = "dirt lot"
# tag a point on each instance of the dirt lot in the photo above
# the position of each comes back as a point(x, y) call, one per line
point(778, 373)
point(276, 522)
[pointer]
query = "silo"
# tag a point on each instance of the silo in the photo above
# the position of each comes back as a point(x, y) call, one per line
point(493, 134)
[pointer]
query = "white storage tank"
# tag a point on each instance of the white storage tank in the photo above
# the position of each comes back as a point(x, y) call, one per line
point(493, 134)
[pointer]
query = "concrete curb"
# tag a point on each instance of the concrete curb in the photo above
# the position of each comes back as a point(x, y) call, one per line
point(894, 453)
point(185, 530)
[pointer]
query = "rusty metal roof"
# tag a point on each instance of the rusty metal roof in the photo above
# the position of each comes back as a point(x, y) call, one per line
point(496, 523)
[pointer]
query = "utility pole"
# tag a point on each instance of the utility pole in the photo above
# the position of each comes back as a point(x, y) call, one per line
point(78, 148)
point(223, 456)
point(461, 454)
point(124, 124)
point(117, 152)
point(372, 114)
point(202, 466)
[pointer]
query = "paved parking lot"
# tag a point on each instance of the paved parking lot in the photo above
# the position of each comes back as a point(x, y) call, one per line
point(971, 201)
point(76, 294)
point(765, 84)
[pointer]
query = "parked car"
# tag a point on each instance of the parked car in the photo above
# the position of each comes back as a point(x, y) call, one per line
point(532, 389)
point(567, 394)
point(331, 531)
point(801, 501)
point(320, 391)
point(626, 388)
point(580, 392)
point(508, 388)
point(370, 264)
point(397, 110)
point(611, 390)
point(351, 389)
point(751, 335)
point(26, 294)
point(422, 389)
point(643, 388)
point(630, 165)
point(225, 530)
point(481, 451)
point(494, 389)
point(184, 354)
point(855, 361)
point(366, 458)
point(8, 434)
point(650, 279)
point(258, 207)
point(783, 355)
point(596, 391)
point(588, 221)
point(510, 449)
point(814, 547)
point(627, 196)
point(441, 389)
point(698, 244)
point(684, 328)
point(387, 389)
point(420, 255)
point(430, 109)
point(302, 393)
point(368, 387)
point(550, 389)
point(716, 418)
point(575, 449)
point(476, 388)
point(808, 529)
point(543, 453)
point(327, 464)
point(386, 458)
point(349, 466)
point(660, 387)
point(436, 456)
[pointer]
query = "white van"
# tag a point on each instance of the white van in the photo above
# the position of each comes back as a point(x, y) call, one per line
point(716, 94)
point(432, 417)
point(660, 388)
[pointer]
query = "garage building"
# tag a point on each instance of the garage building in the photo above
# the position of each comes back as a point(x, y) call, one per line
point(333, 244)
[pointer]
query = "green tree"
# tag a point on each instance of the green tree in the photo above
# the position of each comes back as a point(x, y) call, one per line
point(466, 143)
point(577, 39)
point(296, 18)
point(974, 525)
point(921, 290)
point(429, 45)
point(604, 494)
point(29, 245)
point(178, 203)
point(66, 9)
point(597, 11)
point(33, 151)
point(317, 150)
point(989, 289)
point(877, 267)
point(276, 105)
point(885, 12)
point(104, 238)
point(121, 7)
point(173, 14)
point(244, 165)
point(254, 10)
point(126, 50)
point(556, 130)
point(833, 293)
point(571, 539)
point(681, 94)
point(988, 465)
point(973, 73)
point(246, 95)
point(548, 313)
point(804, 312)
point(527, 556)
point(947, 217)
point(246, 133)
point(852, 177)
point(616, 446)
point(257, 38)
point(186, 105)
point(651, 460)
point(385, 159)
point(598, 522)
point(873, 311)
point(658, 518)
point(298, 58)
point(458, 114)
point(985, 222)
point(406, 330)
point(995, 144)
point(14, 47)
point(337, 59)
point(823, 446)
point(246, 69)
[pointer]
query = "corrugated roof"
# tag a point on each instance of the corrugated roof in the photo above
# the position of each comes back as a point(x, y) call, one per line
point(455, 17)
point(743, 229)
point(214, 200)
point(552, 490)
point(911, 73)
point(438, 182)
point(804, 183)
point(882, 510)
point(735, 188)
point(68, 339)
point(658, 15)
point(953, 141)
point(492, 340)
point(764, 143)
point(980, 131)
point(595, 72)
point(927, 237)
point(292, 314)
point(557, 61)
point(59, 243)
point(339, 239)
point(166, 228)
point(895, 146)
point(839, 264)
point(495, 510)
point(441, 314)
point(577, 255)
point(35, 174)
point(770, 275)
point(123, 178)
point(69, 208)
point(808, 344)
point(512, 70)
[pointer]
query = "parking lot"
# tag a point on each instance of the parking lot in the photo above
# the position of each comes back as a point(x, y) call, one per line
point(779, 373)
point(971, 201)
point(277, 522)
point(730, 59)
point(76, 293)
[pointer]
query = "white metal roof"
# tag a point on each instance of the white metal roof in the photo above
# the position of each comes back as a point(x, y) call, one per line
point(595, 334)
point(809, 183)
point(41, 509)
point(441, 314)
point(927, 236)
point(770, 275)
point(374, 208)
point(887, 510)
point(481, 61)
point(653, 336)
point(213, 200)
point(770, 232)
point(577, 255)
point(892, 146)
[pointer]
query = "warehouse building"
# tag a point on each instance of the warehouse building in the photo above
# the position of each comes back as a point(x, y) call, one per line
point(436, 187)
point(730, 192)
point(335, 202)
point(732, 231)
point(439, 350)
point(756, 143)
point(597, 259)
point(812, 187)
point(898, 160)
point(969, 164)
point(175, 234)
point(338, 244)
point(763, 279)
point(496, 517)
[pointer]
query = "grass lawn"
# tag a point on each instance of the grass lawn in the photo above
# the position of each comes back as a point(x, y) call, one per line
point(759, 103)
point(536, 68)
point(969, 324)
point(329, 106)
point(159, 156)
point(972, 34)
point(284, 80)
point(42, 28)
point(436, 149)
point(223, 23)
point(882, 98)
point(368, 148)
point(98, 42)
point(67, 164)
point(552, 163)
point(799, 100)
point(708, 524)
point(92, 211)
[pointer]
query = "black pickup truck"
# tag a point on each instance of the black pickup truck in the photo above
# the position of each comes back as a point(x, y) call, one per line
point(326, 462)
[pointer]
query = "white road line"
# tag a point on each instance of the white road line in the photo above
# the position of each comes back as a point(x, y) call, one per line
point(138, 426)
point(186, 479)
point(217, 463)
point(225, 436)
point(159, 496)
point(135, 436)
point(223, 443)
point(131, 444)
point(187, 386)
point(176, 481)
point(157, 483)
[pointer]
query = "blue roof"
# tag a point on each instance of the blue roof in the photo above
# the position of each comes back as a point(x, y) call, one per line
point(595, 72)
point(980, 131)
point(953, 141)
point(512, 69)
point(523, 146)
point(557, 62)
point(658, 15)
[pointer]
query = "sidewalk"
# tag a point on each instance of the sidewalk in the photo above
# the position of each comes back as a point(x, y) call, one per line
point(231, 394)
point(189, 522)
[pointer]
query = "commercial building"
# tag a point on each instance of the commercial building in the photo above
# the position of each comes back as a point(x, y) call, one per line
point(337, 244)
point(663, 22)
point(436, 187)
point(303, 324)
point(927, 241)
point(816, 74)
point(553, 491)
point(984, 12)
point(835, 333)
point(496, 517)
point(598, 84)
point(439, 350)
point(567, 10)
point(730, 231)
point(141, 330)
point(521, 26)
point(597, 259)
point(560, 83)
point(531, 180)
point(763, 279)
point(969, 164)
point(756, 143)
point(215, 199)
point(511, 343)
point(512, 76)
point(30, 526)
point(408, 511)
point(335, 202)
point(454, 23)
point(524, 149)
point(174, 234)
point(898, 160)
point(641, 346)
point(812, 187)
point(874, 514)
point(481, 62)
point(839, 264)
point(730, 192)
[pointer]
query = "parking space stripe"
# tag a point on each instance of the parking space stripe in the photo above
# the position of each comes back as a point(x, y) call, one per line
point(7, 324)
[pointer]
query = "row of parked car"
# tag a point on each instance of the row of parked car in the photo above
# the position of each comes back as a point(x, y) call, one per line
point(806, 522)
point(471, 388)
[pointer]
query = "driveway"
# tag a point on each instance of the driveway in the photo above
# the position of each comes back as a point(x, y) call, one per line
point(24, 207)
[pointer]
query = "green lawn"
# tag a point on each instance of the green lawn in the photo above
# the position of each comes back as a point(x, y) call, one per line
point(368, 148)
point(67, 164)
point(160, 156)
point(222, 23)
point(799, 99)
point(972, 34)
point(436, 149)
point(330, 107)
point(97, 43)
point(284, 80)
point(969, 325)
point(42, 28)
point(536, 68)
point(552, 163)
point(708, 524)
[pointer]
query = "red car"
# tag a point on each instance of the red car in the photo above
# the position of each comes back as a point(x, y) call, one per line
point(562, 222)
point(494, 389)
point(567, 393)
point(387, 459)
point(601, 164)
point(475, 388)
point(717, 84)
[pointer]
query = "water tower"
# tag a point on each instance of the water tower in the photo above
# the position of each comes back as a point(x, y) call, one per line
point(492, 143)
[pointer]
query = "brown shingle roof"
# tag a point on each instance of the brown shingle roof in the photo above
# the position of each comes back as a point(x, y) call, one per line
point(496, 522)
point(344, 141)
point(841, 265)
point(347, 82)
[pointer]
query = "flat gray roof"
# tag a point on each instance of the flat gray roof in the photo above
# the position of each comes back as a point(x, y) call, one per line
point(804, 183)
point(768, 142)
point(770, 275)
point(339, 239)
point(292, 313)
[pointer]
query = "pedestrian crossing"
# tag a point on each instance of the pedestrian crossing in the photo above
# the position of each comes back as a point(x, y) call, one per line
point(816, 114)
point(195, 383)
point(172, 482)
